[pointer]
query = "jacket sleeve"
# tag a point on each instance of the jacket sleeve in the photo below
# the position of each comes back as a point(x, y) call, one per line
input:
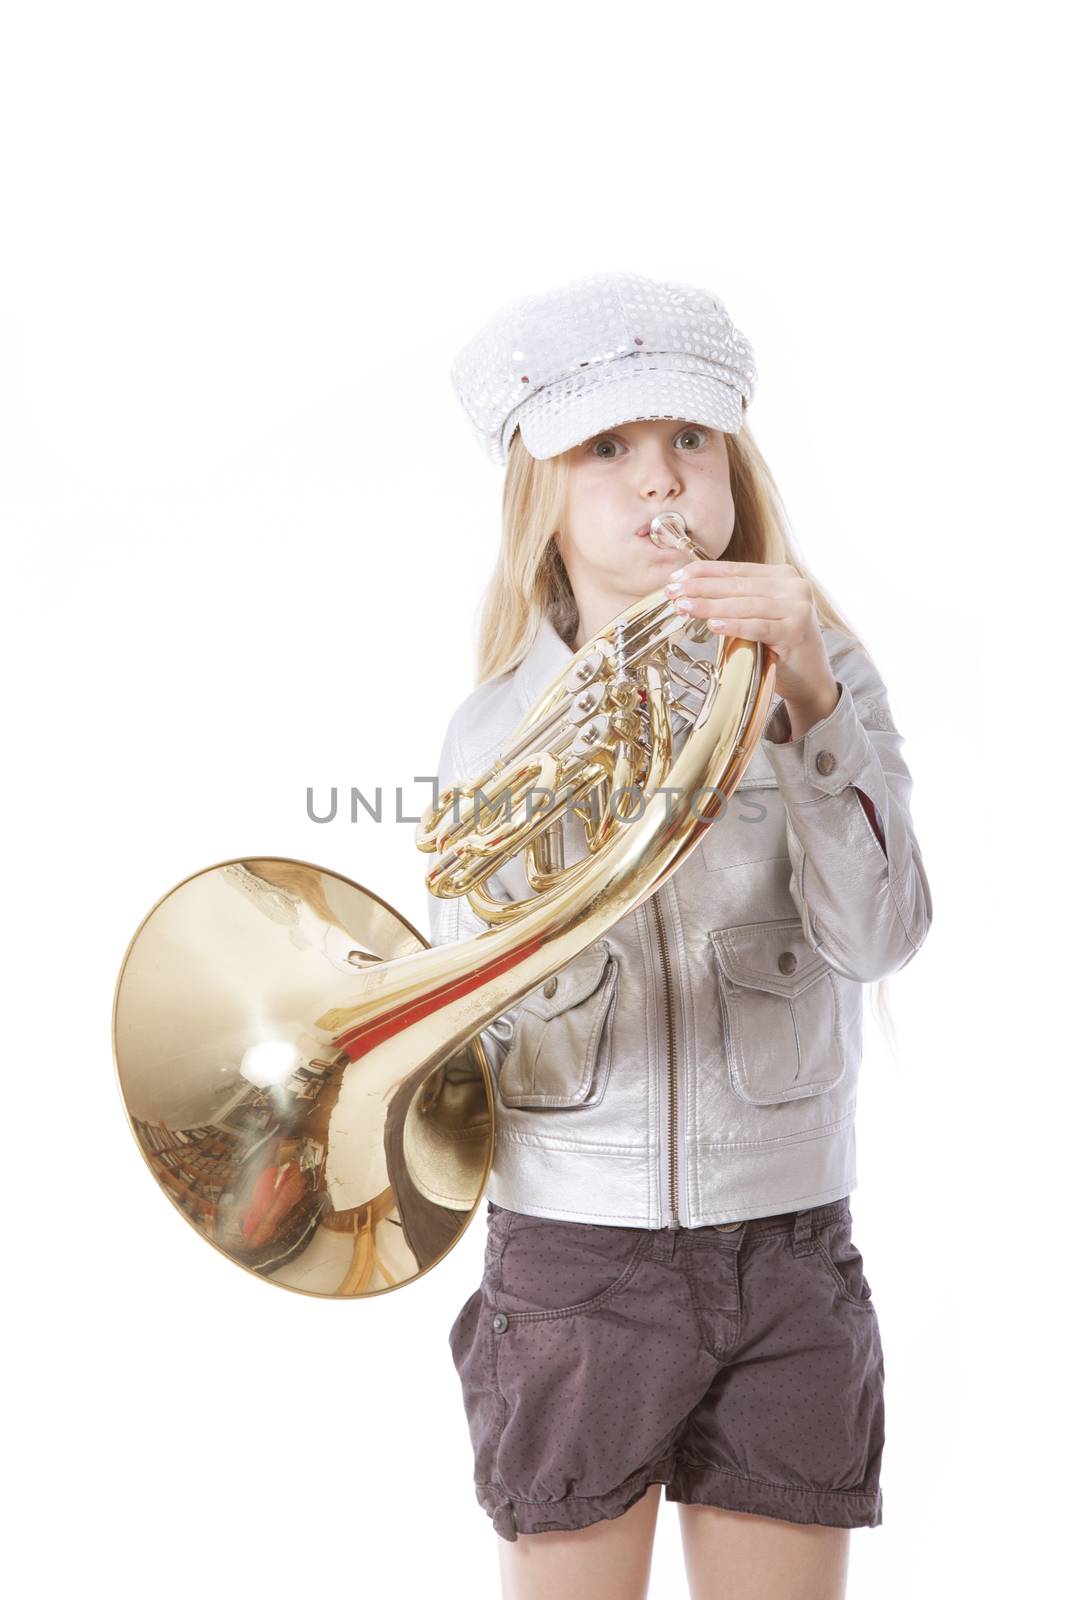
point(857, 880)
point(452, 920)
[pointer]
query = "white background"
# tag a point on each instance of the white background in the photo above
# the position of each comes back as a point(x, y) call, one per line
point(246, 532)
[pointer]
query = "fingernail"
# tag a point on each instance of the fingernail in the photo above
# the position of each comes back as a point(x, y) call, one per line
point(673, 588)
point(680, 573)
point(683, 605)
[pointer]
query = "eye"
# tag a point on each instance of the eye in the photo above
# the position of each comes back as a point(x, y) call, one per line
point(606, 447)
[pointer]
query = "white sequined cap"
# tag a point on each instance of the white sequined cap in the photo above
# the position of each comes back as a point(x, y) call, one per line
point(600, 351)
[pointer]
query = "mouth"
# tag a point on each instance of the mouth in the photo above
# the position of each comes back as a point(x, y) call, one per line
point(645, 533)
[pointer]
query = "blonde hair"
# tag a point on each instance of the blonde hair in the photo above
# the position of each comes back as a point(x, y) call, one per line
point(530, 582)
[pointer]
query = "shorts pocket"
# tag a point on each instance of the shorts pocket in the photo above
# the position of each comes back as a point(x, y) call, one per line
point(560, 1052)
point(837, 1251)
point(495, 1229)
point(780, 1013)
point(550, 1269)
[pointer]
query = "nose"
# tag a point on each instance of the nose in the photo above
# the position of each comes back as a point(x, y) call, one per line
point(657, 472)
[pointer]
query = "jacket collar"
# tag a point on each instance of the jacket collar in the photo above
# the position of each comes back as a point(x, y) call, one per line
point(544, 660)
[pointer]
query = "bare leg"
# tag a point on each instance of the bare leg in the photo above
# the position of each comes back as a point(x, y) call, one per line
point(736, 1555)
point(608, 1560)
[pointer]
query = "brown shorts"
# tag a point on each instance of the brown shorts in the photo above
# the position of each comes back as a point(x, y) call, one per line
point(739, 1364)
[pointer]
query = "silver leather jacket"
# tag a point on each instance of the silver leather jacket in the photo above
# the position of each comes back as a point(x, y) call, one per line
point(699, 1063)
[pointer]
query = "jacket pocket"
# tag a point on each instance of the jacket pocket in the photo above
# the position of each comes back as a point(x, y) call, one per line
point(560, 1054)
point(780, 1013)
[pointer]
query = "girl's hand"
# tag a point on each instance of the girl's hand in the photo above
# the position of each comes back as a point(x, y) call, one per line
point(771, 603)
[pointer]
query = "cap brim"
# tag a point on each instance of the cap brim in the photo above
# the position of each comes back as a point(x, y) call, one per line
point(565, 414)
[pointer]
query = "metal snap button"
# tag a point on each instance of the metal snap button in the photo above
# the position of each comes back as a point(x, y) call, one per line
point(787, 961)
point(499, 1322)
point(726, 1227)
point(551, 986)
point(825, 761)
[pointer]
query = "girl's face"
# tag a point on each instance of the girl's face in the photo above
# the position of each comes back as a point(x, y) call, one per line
point(617, 482)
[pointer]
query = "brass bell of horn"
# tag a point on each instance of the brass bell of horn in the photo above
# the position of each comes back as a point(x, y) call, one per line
point(304, 1073)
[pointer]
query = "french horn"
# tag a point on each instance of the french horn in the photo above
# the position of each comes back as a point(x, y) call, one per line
point(304, 1073)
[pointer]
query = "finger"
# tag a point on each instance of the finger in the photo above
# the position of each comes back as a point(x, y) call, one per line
point(760, 574)
point(705, 573)
point(691, 568)
point(734, 607)
point(758, 586)
point(760, 628)
point(766, 629)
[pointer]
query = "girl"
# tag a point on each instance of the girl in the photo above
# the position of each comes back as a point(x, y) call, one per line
point(671, 1294)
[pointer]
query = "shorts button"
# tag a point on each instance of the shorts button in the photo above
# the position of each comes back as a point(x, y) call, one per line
point(499, 1322)
point(825, 761)
point(727, 1227)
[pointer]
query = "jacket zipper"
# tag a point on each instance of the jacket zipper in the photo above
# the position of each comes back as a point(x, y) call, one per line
point(671, 1051)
